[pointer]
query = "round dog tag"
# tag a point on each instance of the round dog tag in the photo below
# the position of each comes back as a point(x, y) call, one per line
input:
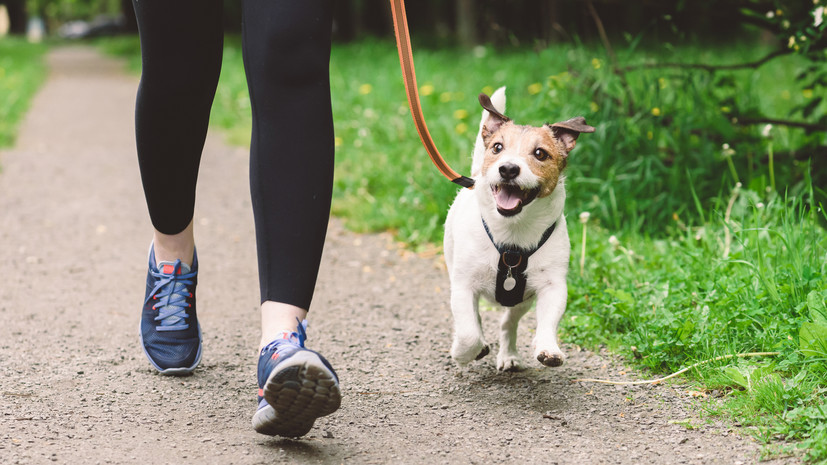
point(509, 283)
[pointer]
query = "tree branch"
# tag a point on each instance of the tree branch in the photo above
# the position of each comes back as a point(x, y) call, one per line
point(612, 57)
point(603, 37)
point(710, 68)
point(781, 122)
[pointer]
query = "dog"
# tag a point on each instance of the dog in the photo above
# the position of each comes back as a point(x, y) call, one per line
point(506, 240)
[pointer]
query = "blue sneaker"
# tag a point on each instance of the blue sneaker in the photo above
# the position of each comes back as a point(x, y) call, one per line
point(295, 386)
point(170, 334)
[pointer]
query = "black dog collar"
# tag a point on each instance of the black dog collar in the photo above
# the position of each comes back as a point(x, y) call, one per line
point(511, 280)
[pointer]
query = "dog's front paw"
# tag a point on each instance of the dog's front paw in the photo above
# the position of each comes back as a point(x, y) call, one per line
point(509, 362)
point(551, 359)
point(466, 352)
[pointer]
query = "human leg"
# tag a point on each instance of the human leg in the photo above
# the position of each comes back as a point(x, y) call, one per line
point(286, 55)
point(169, 247)
point(181, 47)
point(287, 50)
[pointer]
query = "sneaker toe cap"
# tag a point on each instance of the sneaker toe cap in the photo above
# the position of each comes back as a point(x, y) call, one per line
point(174, 353)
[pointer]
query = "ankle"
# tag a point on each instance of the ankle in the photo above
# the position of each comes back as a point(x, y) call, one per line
point(171, 247)
point(278, 318)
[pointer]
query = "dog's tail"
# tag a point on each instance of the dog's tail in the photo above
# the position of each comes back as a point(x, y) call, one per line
point(498, 99)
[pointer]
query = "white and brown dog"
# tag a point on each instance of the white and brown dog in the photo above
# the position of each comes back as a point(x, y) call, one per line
point(506, 240)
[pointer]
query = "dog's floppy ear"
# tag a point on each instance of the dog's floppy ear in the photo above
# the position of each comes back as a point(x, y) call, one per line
point(567, 131)
point(495, 118)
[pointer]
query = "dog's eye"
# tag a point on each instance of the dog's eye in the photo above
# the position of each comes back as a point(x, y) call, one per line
point(497, 148)
point(540, 154)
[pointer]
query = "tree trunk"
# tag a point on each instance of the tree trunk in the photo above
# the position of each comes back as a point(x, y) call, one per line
point(466, 23)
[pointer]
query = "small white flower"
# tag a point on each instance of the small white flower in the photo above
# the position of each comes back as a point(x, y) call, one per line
point(785, 24)
point(770, 14)
point(613, 241)
point(766, 131)
point(584, 217)
point(791, 42)
point(738, 185)
point(727, 151)
point(818, 16)
point(759, 205)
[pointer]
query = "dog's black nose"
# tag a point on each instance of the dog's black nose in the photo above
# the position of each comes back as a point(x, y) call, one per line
point(509, 171)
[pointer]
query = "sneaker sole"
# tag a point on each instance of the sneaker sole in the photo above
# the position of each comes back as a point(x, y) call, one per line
point(298, 393)
point(183, 371)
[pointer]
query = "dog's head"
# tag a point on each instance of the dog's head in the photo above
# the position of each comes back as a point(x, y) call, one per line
point(523, 163)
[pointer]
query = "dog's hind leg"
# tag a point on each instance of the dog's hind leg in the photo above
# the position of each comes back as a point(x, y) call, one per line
point(508, 359)
point(551, 303)
point(469, 343)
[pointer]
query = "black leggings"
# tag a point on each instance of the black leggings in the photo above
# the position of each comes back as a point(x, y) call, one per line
point(286, 58)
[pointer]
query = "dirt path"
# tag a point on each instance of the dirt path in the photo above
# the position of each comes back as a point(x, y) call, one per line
point(76, 388)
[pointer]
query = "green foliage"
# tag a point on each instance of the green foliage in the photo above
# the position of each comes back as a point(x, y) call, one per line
point(798, 25)
point(813, 334)
point(632, 173)
point(751, 281)
point(59, 11)
point(747, 376)
point(231, 110)
point(787, 410)
point(21, 73)
point(127, 47)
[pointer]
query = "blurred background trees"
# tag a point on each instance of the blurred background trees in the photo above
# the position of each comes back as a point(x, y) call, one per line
point(682, 87)
point(470, 22)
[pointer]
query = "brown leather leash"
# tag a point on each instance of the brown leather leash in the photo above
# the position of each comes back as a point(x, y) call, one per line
point(403, 44)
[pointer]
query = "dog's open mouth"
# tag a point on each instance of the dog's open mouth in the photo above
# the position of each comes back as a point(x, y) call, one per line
point(511, 199)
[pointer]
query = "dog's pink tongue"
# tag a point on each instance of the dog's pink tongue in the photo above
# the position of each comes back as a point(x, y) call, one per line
point(507, 199)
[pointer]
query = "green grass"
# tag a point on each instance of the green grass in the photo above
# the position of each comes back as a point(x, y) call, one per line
point(678, 300)
point(127, 47)
point(22, 71)
point(682, 280)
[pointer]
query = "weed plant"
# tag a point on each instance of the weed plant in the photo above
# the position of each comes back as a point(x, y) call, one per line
point(21, 73)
